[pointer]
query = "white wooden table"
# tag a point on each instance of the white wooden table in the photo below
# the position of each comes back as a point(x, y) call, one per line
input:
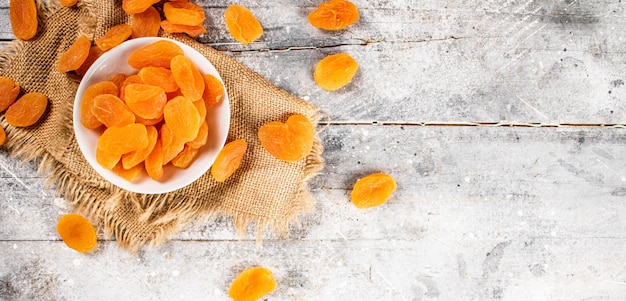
point(502, 121)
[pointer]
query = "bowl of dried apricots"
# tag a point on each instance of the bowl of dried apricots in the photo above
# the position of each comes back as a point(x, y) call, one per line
point(151, 115)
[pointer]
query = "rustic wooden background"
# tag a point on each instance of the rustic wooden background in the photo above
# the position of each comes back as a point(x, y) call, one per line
point(502, 121)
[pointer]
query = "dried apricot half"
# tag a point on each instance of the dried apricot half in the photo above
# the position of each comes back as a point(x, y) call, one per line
point(9, 90)
point(228, 160)
point(121, 140)
point(335, 71)
point(27, 110)
point(252, 284)
point(334, 15)
point(23, 17)
point(372, 190)
point(77, 232)
point(3, 136)
point(114, 36)
point(290, 141)
point(182, 118)
point(192, 31)
point(146, 24)
point(183, 13)
point(75, 55)
point(188, 77)
point(132, 7)
point(157, 54)
point(242, 24)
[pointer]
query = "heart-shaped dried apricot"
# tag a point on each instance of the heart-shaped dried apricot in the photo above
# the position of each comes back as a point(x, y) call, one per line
point(290, 141)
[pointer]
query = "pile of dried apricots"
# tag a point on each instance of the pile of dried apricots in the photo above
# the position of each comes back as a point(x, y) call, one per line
point(158, 115)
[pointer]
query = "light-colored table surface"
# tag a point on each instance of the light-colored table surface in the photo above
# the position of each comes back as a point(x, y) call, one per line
point(502, 122)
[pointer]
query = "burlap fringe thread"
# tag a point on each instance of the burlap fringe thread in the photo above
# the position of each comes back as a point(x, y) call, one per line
point(156, 210)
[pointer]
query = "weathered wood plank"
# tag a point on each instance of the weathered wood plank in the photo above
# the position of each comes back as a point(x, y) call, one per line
point(468, 269)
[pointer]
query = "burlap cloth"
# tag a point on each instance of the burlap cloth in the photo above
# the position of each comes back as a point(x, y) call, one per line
point(264, 191)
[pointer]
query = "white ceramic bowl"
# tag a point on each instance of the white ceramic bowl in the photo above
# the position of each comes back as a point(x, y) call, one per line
point(116, 61)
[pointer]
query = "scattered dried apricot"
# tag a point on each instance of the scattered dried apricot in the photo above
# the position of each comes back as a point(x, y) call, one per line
point(68, 3)
point(228, 160)
point(3, 136)
point(9, 90)
point(372, 190)
point(121, 140)
point(334, 15)
point(252, 284)
point(75, 55)
point(192, 31)
point(242, 24)
point(86, 116)
point(146, 24)
point(183, 13)
point(335, 71)
point(111, 111)
point(27, 110)
point(157, 54)
point(213, 90)
point(188, 77)
point(23, 16)
point(77, 232)
point(114, 36)
point(132, 7)
point(182, 118)
point(94, 54)
point(290, 141)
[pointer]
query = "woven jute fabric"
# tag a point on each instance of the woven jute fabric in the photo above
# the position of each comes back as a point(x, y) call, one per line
point(265, 192)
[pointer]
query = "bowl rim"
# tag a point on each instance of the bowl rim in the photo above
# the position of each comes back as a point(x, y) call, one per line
point(110, 60)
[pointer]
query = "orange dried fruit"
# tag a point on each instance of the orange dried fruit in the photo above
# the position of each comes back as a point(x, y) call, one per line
point(252, 284)
point(23, 17)
point(75, 55)
point(242, 24)
point(335, 71)
point(192, 31)
point(9, 90)
point(132, 7)
point(334, 15)
point(111, 111)
point(170, 144)
point(131, 79)
point(118, 79)
point(27, 110)
point(157, 54)
point(160, 77)
point(185, 157)
point(228, 160)
point(290, 141)
point(202, 137)
point(133, 158)
point(153, 121)
point(146, 101)
point(183, 13)
point(182, 118)
point(154, 162)
point(199, 104)
point(213, 90)
point(372, 190)
point(77, 232)
point(86, 116)
point(121, 140)
point(146, 24)
point(114, 36)
point(94, 54)
point(107, 160)
point(188, 77)
point(130, 174)
point(3, 136)
point(68, 3)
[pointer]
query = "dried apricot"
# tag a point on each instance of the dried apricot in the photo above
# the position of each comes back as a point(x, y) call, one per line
point(199, 104)
point(228, 160)
point(153, 121)
point(77, 232)
point(94, 54)
point(9, 91)
point(86, 116)
point(290, 141)
point(334, 15)
point(170, 144)
point(133, 158)
point(132, 7)
point(114, 36)
point(188, 77)
point(118, 79)
point(160, 77)
point(23, 16)
point(185, 157)
point(183, 13)
point(146, 24)
point(111, 111)
point(252, 284)
point(68, 3)
point(157, 54)
point(75, 55)
point(131, 79)
point(372, 190)
point(27, 110)
point(202, 137)
point(182, 118)
point(107, 160)
point(192, 31)
point(242, 24)
point(130, 174)
point(154, 162)
point(3, 136)
point(121, 140)
point(335, 71)
point(213, 90)
point(145, 100)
